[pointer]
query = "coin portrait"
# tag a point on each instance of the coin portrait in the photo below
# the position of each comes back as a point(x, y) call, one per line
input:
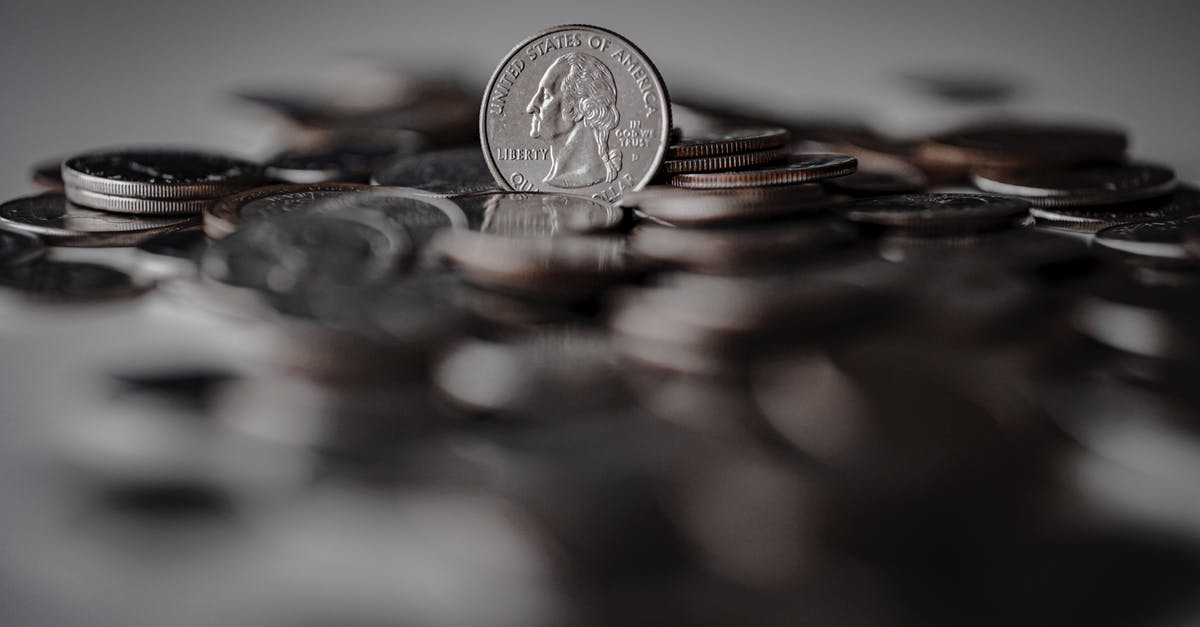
point(575, 109)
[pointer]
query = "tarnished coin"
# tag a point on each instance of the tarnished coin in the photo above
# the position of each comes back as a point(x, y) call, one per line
point(1079, 186)
point(720, 163)
point(697, 207)
point(1184, 202)
point(716, 142)
point(575, 109)
point(59, 222)
point(451, 172)
point(228, 213)
point(1012, 144)
point(159, 173)
point(18, 246)
point(938, 211)
point(349, 160)
point(756, 245)
point(800, 168)
point(139, 206)
point(68, 281)
point(1164, 240)
point(47, 175)
point(300, 251)
point(530, 215)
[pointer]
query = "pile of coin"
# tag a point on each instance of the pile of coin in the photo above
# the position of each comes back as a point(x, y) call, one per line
point(580, 354)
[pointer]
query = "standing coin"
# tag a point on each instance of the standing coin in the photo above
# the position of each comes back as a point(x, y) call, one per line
point(17, 247)
point(575, 109)
point(447, 173)
point(800, 168)
point(159, 173)
point(1080, 186)
point(61, 223)
point(230, 212)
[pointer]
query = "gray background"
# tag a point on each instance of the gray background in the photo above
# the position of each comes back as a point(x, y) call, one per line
point(79, 75)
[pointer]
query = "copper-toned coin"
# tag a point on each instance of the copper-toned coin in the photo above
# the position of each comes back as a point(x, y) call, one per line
point(228, 213)
point(53, 218)
point(716, 142)
point(721, 163)
point(686, 206)
point(800, 168)
point(1080, 186)
point(938, 211)
point(1022, 144)
point(159, 173)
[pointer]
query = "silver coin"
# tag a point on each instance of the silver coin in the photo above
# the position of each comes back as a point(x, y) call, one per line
point(1080, 186)
point(230, 212)
point(441, 173)
point(159, 173)
point(575, 109)
point(59, 222)
point(141, 206)
point(401, 210)
point(18, 247)
point(68, 281)
point(532, 215)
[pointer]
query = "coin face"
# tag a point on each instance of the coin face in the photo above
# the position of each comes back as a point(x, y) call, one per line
point(575, 109)
point(50, 216)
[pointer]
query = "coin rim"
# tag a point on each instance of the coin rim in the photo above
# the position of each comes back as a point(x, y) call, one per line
point(768, 138)
point(766, 176)
point(92, 239)
point(137, 206)
point(720, 163)
point(196, 190)
point(652, 71)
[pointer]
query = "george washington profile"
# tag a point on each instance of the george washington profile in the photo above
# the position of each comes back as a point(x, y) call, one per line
point(575, 109)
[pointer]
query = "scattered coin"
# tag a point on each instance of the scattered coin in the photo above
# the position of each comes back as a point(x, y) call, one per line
point(449, 173)
point(1011, 144)
point(18, 246)
point(159, 173)
point(61, 223)
point(230, 212)
point(1184, 202)
point(938, 211)
point(801, 168)
point(1151, 241)
point(68, 281)
point(718, 142)
point(575, 109)
point(721, 163)
point(1080, 186)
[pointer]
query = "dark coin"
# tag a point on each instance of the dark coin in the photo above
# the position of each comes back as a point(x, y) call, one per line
point(801, 168)
point(1152, 241)
point(757, 245)
point(227, 214)
point(18, 247)
point(1022, 144)
point(878, 183)
point(48, 175)
point(139, 206)
point(63, 280)
point(938, 211)
point(717, 142)
point(302, 251)
point(1184, 202)
point(159, 173)
point(1027, 252)
point(697, 207)
point(350, 161)
point(1079, 186)
point(59, 222)
point(177, 250)
point(442, 173)
point(533, 215)
point(721, 163)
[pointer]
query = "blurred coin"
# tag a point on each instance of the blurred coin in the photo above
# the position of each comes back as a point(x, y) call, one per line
point(410, 213)
point(18, 246)
point(440, 173)
point(878, 183)
point(347, 160)
point(1081, 185)
point(1014, 144)
point(230, 212)
point(938, 211)
point(717, 142)
point(757, 245)
point(1150, 241)
point(575, 109)
point(159, 173)
point(1154, 321)
point(177, 252)
point(140, 206)
point(47, 175)
point(720, 163)
point(963, 86)
point(296, 251)
point(674, 205)
point(68, 281)
point(59, 222)
point(566, 265)
point(801, 168)
point(526, 215)
point(1183, 203)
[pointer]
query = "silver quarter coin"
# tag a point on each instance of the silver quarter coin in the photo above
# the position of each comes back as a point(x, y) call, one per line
point(575, 109)
point(59, 222)
point(18, 247)
point(159, 173)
